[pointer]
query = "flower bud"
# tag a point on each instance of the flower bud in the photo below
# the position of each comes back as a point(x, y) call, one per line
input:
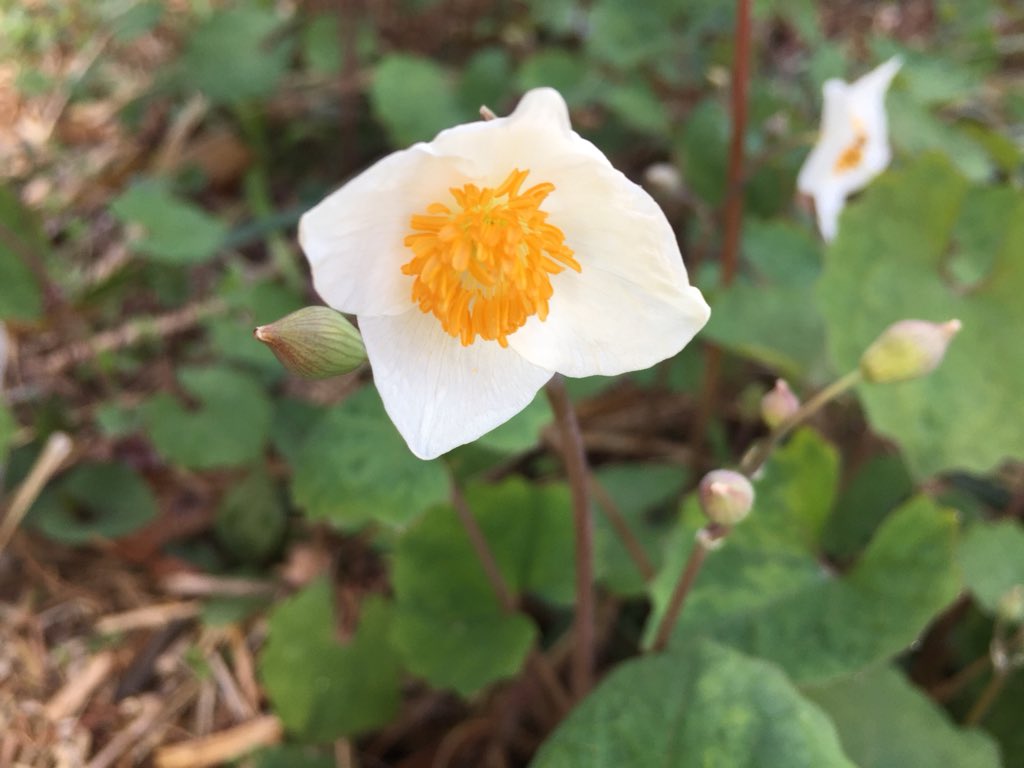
point(314, 342)
point(725, 496)
point(1011, 605)
point(779, 404)
point(907, 350)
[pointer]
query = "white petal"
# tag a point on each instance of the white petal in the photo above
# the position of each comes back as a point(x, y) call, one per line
point(439, 393)
point(828, 204)
point(535, 136)
point(354, 238)
point(631, 306)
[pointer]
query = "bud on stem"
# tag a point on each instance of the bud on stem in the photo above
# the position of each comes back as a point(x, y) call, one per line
point(907, 350)
point(314, 342)
point(779, 404)
point(726, 497)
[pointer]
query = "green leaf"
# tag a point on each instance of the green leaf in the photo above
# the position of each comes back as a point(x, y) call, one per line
point(640, 492)
point(709, 707)
point(233, 57)
point(765, 592)
point(229, 428)
point(449, 624)
point(702, 148)
point(638, 107)
point(890, 262)
point(522, 431)
point(627, 34)
point(93, 501)
point(992, 556)
point(321, 689)
point(354, 468)
point(486, 80)
point(413, 98)
point(20, 297)
point(173, 231)
point(251, 520)
point(769, 318)
point(558, 69)
point(321, 45)
point(885, 722)
point(292, 756)
point(874, 491)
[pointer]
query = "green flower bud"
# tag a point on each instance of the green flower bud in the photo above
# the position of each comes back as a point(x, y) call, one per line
point(314, 342)
point(907, 350)
point(779, 404)
point(725, 496)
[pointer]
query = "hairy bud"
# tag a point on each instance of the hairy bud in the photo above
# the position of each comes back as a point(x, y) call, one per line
point(725, 496)
point(779, 404)
point(314, 342)
point(906, 350)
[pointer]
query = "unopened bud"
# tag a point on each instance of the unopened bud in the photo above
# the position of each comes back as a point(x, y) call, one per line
point(779, 404)
point(314, 342)
point(725, 496)
point(1011, 605)
point(907, 350)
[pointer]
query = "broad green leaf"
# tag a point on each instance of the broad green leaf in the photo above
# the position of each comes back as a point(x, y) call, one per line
point(413, 98)
point(172, 230)
point(229, 428)
point(93, 501)
point(701, 150)
point(891, 262)
point(321, 45)
point(20, 235)
point(251, 520)
point(449, 624)
point(321, 688)
point(522, 431)
point(627, 34)
point(638, 107)
point(874, 491)
point(640, 492)
point(559, 69)
point(233, 55)
point(885, 722)
point(486, 80)
point(709, 707)
point(772, 318)
point(354, 468)
point(765, 592)
point(992, 556)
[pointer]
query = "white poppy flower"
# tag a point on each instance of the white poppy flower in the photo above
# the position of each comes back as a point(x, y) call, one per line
point(853, 147)
point(484, 262)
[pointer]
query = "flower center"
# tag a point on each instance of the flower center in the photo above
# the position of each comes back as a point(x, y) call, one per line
point(851, 157)
point(483, 262)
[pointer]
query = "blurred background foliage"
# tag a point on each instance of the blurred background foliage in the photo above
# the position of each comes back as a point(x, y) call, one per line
point(243, 550)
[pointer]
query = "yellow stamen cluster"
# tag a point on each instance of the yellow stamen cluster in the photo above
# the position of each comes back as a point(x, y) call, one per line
point(483, 263)
point(852, 156)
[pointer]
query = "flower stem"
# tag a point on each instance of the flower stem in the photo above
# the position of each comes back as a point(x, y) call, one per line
point(536, 659)
point(575, 459)
point(733, 215)
point(706, 540)
point(760, 452)
point(618, 521)
point(483, 551)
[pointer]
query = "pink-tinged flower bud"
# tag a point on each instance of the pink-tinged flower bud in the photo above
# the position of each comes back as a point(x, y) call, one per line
point(1011, 605)
point(907, 350)
point(779, 404)
point(725, 496)
point(314, 342)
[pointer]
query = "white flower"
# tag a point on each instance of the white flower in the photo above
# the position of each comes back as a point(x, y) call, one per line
point(487, 260)
point(853, 147)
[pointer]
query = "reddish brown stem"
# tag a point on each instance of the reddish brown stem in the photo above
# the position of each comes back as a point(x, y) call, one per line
point(706, 540)
point(618, 521)
point(483, 551)
point(571, 443)
point(733, 214)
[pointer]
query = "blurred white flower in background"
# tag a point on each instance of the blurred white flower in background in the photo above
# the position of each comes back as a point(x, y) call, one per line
point(484, 262)
point(853, 147)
